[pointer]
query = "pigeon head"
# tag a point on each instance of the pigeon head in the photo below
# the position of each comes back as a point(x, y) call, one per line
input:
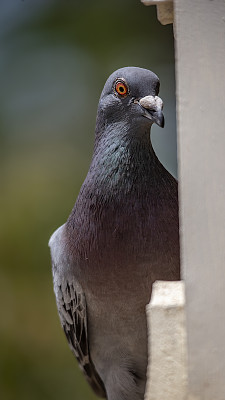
point(130, 95)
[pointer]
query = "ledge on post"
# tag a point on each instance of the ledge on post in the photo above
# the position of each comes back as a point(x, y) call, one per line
point(164, 10)
point(167, 368)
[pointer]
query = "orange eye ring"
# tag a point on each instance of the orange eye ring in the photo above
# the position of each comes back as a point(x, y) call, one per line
point(121, 88)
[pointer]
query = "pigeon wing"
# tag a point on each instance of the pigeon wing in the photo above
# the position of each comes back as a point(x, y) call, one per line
point(71, 304)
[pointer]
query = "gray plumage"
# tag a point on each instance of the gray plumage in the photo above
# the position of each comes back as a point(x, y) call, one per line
point(121, 236)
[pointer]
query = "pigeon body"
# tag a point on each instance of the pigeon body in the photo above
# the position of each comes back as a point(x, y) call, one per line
point(121, 236)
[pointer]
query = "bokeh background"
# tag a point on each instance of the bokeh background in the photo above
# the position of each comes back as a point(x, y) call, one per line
point(54, 59)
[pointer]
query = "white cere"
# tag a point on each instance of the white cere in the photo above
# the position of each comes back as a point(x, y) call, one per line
point(151, 102)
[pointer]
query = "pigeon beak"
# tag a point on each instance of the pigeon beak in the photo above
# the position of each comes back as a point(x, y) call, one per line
point(158, 118)
point(153, 106)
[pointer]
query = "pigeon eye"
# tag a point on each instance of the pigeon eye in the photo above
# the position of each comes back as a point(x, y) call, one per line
point(121, 88)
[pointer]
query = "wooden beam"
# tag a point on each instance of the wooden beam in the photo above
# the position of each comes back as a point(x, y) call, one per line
point(200, 73)
point(167, 367)
point(164, 10)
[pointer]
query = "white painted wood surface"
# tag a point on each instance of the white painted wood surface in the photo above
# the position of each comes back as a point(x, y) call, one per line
point(167, 367)
point(200, 73)
point(164, 10)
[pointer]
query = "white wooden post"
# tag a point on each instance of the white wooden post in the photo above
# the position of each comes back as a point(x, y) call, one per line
point(200, 79)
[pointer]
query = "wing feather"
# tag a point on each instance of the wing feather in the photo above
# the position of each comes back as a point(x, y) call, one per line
point(72, 309)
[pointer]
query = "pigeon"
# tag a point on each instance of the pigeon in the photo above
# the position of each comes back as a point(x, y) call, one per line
point(121, 236)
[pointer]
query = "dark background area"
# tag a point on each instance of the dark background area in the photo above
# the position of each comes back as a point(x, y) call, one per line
point(55, 58)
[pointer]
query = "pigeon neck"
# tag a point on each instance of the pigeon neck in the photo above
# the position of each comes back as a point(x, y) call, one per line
point(122, 137)
point(121, 156)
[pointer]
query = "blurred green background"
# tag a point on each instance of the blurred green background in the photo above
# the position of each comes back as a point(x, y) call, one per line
point(55, 58)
